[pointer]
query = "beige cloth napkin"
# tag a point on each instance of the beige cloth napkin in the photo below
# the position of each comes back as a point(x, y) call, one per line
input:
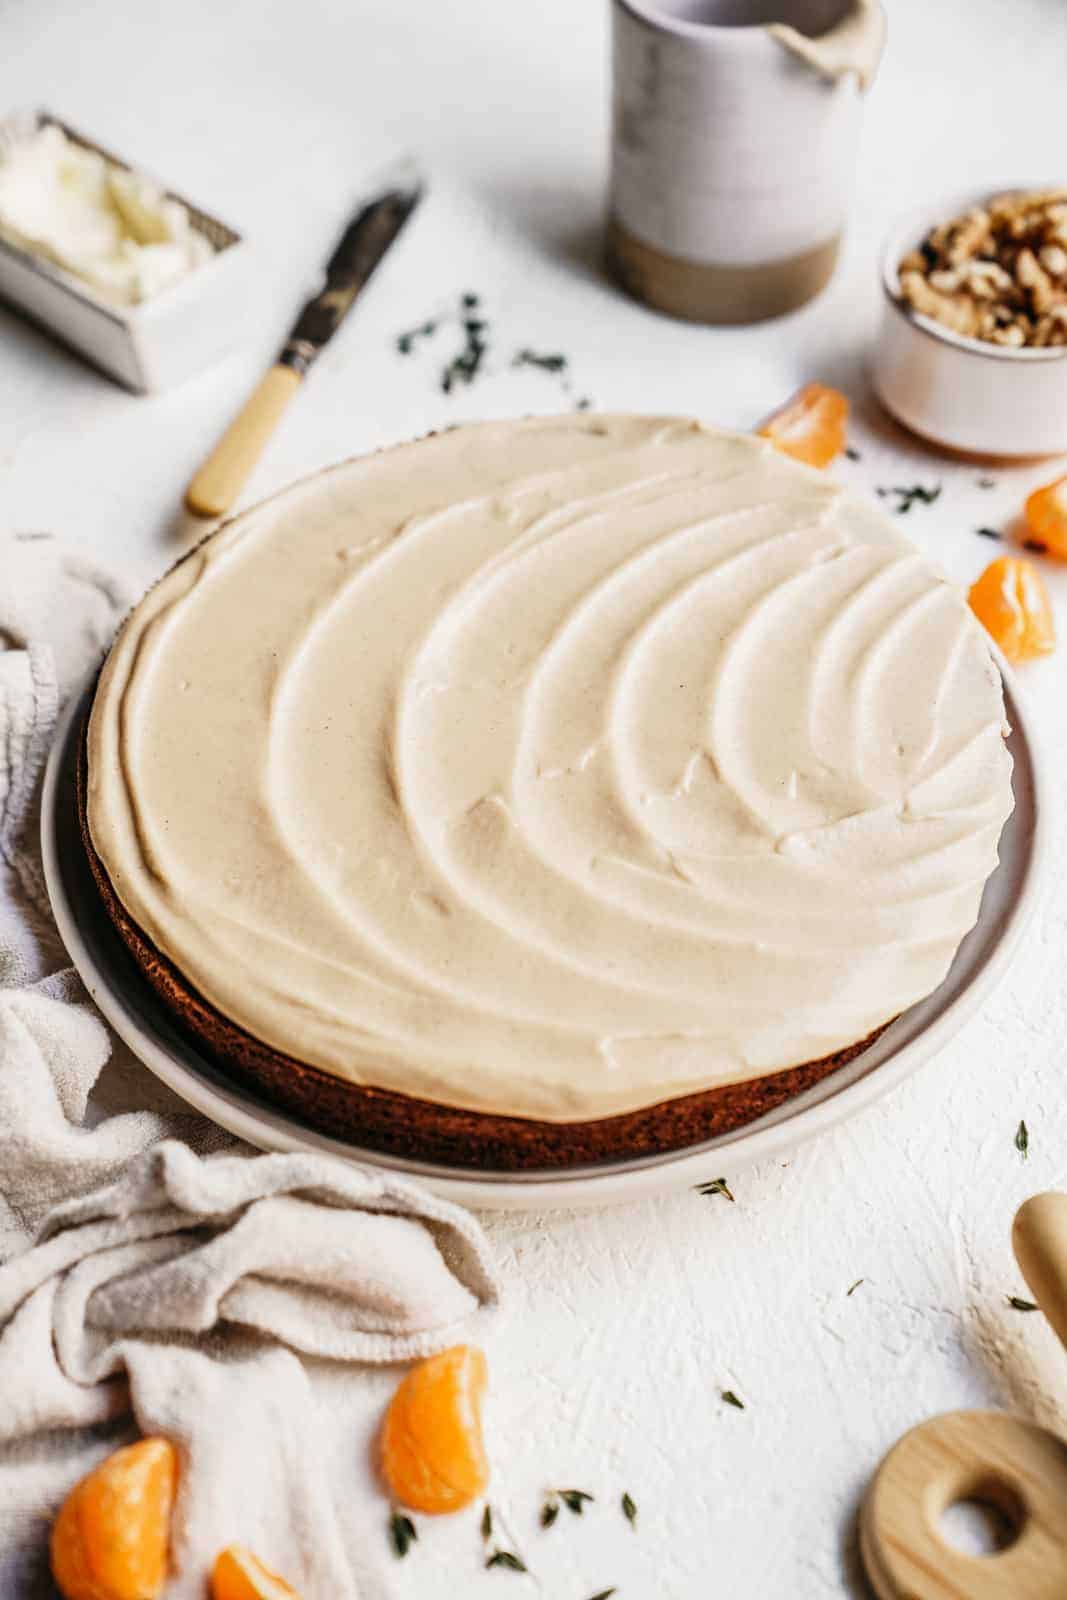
point(149, 1262)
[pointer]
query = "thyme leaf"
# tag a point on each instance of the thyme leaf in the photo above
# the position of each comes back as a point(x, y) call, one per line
point(1022, 1141)
point(402, 1533)
point(533, 358)
point(732, 1399)
point(629, 1510)
point(1018, 1304)
point(853, 1287)
point(487, 1523)
point(405, 342)
point(549, 1512)
point(463, 368)
point(508, 1559)
point(603, 1594)
point(470, 359)
point(574, 1499)
point(853, 454)
point(987, 533)
point(908, 495)
point(716, 1186)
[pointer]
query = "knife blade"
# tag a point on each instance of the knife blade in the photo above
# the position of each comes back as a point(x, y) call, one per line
point(364, 242)
point(362, 245)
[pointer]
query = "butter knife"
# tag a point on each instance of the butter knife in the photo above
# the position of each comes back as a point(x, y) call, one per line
point(364, 242)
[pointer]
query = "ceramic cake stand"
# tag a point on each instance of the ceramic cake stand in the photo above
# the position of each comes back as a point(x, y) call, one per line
point(140, 1019)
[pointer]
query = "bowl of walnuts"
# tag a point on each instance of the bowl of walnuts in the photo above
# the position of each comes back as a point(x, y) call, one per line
point(972, 349)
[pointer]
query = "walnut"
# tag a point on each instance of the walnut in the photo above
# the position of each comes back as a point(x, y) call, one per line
point(998, 272)
point(914, 261)
point(947, 281)
point(954, 311)
point(1030, 274)
point(967, 236)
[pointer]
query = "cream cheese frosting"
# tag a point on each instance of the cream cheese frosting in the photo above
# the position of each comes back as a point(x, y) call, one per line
point(554, 767)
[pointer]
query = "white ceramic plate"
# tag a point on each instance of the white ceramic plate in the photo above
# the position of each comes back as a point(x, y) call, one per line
point(138, 1017)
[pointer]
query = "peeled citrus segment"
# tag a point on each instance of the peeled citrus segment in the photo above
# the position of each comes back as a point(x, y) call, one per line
point(109, 1541)
point(432, 1457)
point(239, 1575)
point(1046, 517)
point(1012, 604)
point(810, 427)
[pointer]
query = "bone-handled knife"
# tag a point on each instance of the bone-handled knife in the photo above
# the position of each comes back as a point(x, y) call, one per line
point(363, 244)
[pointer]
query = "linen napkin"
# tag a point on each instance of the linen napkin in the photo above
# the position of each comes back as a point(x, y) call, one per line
point(150, 1263)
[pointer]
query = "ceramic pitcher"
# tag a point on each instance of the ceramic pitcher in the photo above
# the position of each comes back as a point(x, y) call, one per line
point(735, 126)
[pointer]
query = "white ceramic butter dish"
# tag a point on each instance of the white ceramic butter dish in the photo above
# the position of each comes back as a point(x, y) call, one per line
point(962, 393)
point(147, 346)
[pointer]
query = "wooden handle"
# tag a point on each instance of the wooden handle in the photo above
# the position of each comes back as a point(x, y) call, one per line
point(968, 1455)
point(1039, 1239)
point(980, 1455)
point(223, 475)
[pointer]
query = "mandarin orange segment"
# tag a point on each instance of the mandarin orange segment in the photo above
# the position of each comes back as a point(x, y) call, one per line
point(810, 427)
point(1012, 604)
point(1046, 517)
point(239, 1575)
point(110, 1538)
point(432, 1454)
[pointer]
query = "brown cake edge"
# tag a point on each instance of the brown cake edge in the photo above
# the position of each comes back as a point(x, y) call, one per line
point(401, 1125)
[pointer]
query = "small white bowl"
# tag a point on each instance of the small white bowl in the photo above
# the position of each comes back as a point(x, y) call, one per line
point(149, 346)
point(966, 394)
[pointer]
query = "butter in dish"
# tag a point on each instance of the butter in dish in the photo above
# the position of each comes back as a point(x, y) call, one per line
point(140, 281)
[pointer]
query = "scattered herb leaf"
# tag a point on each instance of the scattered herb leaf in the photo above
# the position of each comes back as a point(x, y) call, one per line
point(853, 454)
point(716, 1186)
point(909, 495)
point(402, 1533)
point(533, 358)
point(603, 1594)
point(487, 1523)
point(463, 368)
point(629, 1510)
point(1038, 546)
point(470, 359)
point(853, 1287)
point(987, 483)
point(1018, 1304)
point(574, 1499)
point(405, 342)
point(508, 1559)
point(549, 1512)
point(732, 1400)
point(1022, 1141)
point(987, 533)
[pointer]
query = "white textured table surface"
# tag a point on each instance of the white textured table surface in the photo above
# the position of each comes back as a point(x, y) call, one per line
point(622, 1328)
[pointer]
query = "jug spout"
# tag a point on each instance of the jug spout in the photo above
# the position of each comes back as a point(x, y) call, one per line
point(853, 44)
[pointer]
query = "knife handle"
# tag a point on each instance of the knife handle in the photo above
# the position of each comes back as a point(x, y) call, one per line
point(220, 480)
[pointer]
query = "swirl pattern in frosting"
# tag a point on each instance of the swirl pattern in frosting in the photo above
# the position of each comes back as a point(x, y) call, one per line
point(554, 768)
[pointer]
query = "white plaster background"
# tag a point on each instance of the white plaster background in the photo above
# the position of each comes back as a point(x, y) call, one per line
point(622, 1327)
